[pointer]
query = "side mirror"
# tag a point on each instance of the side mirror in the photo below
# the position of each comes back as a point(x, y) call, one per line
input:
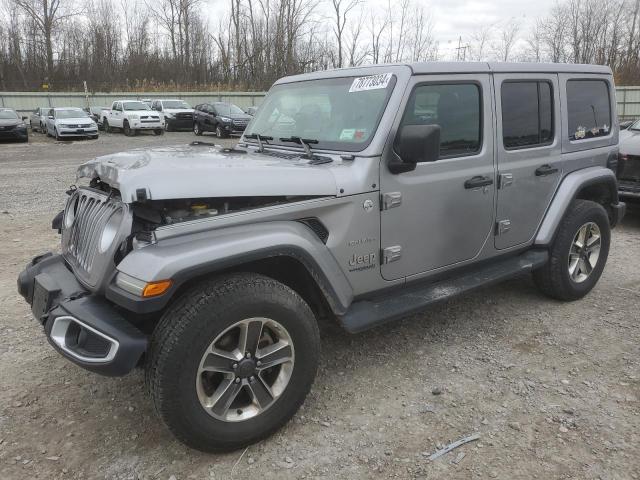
point(415, 144)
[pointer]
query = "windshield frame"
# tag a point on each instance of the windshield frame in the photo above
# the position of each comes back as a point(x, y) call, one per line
point(635, 124)
point(135, 109)
point(16, 117)
point(184, 106)
point(324, 145)
point(78, 113)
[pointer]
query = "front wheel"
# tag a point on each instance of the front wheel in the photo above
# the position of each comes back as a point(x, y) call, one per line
point(128, 131)
point(219, 132)
point(55, 134)
point(158, 131)
point(232, 360)
point(196, 129)
point(106, 126)
point(578, 254)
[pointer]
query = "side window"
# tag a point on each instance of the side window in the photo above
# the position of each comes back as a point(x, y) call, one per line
point(455, 108)
point(588, 109)
point(527, 114)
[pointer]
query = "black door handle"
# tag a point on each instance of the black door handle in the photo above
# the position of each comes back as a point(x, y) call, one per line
point(545, 170)
point(477, 182)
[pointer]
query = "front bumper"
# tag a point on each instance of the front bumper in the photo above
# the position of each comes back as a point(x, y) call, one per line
point(146, 124)
point(14, 133)
point(179, 123)
point(629, 190)
point(77, 132)
point(83, 327)
point(232, 129)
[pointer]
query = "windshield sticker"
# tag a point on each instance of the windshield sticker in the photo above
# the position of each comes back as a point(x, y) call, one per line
point(360, 134)
point(347, 134)
point(372, 82)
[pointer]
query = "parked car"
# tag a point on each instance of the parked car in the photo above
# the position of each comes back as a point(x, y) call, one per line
point(95, 113)
point(38, 119)
point(343, 200)
point(70, 122)
point(624, 125)
point(177, 114)
point(132, 116)
point(251, 111)
point(12, 126)
point(224, 119)
point(628, 169)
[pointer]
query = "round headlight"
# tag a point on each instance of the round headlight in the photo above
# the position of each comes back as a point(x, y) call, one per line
point(70, 212)
point(110, 230)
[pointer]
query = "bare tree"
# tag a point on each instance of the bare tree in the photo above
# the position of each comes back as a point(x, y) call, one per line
point(507, 38)
point(341, 10)
point(47, 16)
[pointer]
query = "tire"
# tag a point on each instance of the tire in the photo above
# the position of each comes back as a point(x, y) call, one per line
point(127, 129)
point(186, 331)
point(167, 127)
point(106, 126)
point(197, 130)
point(55, 134)
point(158, 131)
point(94, 137)
point(555, 278)
point(219, 132)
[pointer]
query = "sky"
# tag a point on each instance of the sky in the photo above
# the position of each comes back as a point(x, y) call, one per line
point(452, 18)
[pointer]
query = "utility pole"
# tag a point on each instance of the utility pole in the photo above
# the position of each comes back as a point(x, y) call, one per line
point(461, 50)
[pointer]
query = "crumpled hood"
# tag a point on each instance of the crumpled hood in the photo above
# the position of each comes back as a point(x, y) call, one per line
point(202, 171)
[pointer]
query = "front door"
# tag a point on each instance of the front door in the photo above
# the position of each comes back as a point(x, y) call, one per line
point(441, 213)
point(529, 156)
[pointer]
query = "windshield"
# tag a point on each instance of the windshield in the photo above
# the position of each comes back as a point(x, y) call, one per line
point(129, 106)
point(71, 113)
point(635, 125)
point(341, 113)
point(175, 104)
point(228, 109)
point(8, 115)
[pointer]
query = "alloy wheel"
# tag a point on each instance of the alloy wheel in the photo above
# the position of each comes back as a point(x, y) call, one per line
point(245, 369)
point(585, 251)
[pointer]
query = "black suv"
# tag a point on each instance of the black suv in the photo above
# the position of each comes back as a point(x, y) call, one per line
point(12, 126)
point(223, 118)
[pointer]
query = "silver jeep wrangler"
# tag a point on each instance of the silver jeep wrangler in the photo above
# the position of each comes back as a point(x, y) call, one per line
point(359, 195)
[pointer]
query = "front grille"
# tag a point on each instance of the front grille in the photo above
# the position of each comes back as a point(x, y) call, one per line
point(91, 213)
point(88, 214)
point(6, 128)
point(184, 116)
point(240, 123)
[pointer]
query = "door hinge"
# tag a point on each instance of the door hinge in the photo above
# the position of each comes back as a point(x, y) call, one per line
point(505, 180)
point(503, 226)
point(391, 254)
point(391, 200)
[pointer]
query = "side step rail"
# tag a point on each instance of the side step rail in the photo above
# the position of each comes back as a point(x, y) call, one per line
point(366, 314)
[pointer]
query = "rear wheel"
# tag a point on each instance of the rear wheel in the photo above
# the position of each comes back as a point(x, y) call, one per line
point(578, 254)
point(232, 360)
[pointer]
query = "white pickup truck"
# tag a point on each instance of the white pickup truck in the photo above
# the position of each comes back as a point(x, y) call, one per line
point(132, 116)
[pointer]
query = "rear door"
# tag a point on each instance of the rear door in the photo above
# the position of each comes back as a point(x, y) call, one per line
point(529, 153)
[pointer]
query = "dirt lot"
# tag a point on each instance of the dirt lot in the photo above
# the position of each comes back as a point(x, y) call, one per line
point(553, 389)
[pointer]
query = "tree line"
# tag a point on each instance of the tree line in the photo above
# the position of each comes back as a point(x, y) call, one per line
point(173, 44)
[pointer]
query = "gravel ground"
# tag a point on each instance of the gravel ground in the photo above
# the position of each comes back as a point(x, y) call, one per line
point(552, 388)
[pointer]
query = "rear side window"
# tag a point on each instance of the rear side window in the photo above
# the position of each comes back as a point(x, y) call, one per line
point(527, 114)
point(588, 109)
point(455, 108)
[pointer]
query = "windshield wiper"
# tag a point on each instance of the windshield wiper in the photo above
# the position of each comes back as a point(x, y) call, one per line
point(260, 139)
point(305, 142)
